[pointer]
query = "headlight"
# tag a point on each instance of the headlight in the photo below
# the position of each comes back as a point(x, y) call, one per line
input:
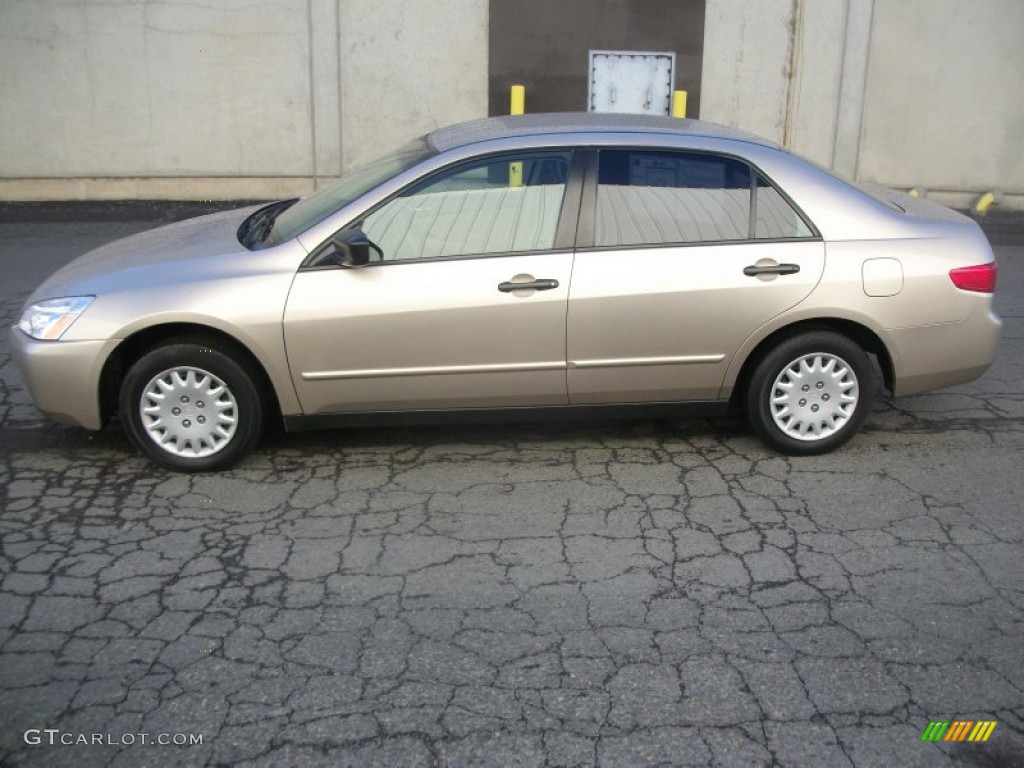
point(48, 319)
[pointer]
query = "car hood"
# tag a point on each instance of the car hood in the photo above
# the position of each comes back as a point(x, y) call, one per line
point(180, 252)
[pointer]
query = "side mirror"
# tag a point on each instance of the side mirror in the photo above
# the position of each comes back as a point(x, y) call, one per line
point(351, 248)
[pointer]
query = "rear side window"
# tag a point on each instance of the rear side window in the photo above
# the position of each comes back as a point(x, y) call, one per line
point(651, 198)
point(646, 198)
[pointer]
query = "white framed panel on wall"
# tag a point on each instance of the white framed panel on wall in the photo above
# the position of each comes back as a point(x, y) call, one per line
point(632, 82)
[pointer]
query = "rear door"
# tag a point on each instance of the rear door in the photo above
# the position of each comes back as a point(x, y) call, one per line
point(682, 256)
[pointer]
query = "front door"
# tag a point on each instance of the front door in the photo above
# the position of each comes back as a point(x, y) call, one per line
point(465, 307)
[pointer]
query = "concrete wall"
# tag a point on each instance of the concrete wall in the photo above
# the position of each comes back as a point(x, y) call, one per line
point(945, 95)
point(203, 99)
point(900, 92)
point(408, 67)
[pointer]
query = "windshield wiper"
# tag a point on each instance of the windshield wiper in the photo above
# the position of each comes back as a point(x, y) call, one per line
point(260, 224)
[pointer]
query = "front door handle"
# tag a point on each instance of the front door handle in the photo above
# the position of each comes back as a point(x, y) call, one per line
point(771, 269)
point(533, 285)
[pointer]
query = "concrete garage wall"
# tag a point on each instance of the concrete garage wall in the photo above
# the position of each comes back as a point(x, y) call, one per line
point(211, 99)
point(230, 99)
point(900, 92)
point(409, 67)
point(945, 95)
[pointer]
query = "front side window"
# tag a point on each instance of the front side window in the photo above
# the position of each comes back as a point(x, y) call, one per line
point(647, 198)
point(503, 204)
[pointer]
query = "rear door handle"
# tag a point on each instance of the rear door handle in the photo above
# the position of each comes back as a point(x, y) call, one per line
point(533, 285)
point(771, 269)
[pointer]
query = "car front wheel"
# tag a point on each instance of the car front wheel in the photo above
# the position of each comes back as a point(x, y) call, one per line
point(811, 393)
point(191, 408)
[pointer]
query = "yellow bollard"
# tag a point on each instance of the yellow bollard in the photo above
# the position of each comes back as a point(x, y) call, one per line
point(518, 100)
point(679, 104)
point(986, 201)
point(517, 106)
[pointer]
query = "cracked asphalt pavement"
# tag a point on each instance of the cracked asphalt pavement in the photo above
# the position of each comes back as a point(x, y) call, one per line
point(616, 594)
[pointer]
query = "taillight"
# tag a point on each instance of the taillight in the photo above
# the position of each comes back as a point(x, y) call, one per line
point(980, 278)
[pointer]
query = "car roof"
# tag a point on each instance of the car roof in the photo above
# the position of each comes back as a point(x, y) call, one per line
point(461, 134)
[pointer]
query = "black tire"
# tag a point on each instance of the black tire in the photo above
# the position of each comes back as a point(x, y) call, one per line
point(829, 411)
point(231, 422)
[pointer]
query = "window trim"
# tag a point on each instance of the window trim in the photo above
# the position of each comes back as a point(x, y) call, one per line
point(565, 227)
point(587, 229)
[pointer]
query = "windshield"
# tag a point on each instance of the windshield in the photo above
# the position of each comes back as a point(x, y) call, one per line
point(313, 209)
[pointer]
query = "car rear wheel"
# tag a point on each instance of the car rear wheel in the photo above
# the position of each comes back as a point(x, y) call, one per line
point(811, 393)
point(191, 408)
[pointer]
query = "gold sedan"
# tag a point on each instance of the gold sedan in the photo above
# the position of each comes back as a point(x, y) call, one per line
point(546, 264)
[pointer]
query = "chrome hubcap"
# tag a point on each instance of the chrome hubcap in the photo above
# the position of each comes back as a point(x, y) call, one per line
point(189, 412)
point(814, 396)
